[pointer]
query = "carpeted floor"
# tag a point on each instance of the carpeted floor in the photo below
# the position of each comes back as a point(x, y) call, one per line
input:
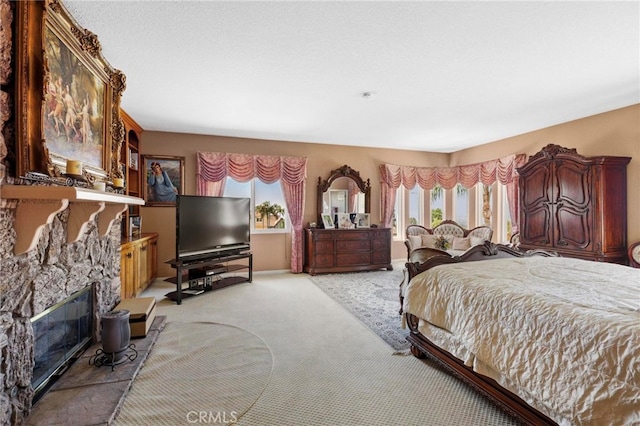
point(373, 298)
point(328, 367)
point(198, 367)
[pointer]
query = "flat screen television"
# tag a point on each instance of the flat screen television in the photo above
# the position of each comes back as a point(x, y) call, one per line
point(211, 226)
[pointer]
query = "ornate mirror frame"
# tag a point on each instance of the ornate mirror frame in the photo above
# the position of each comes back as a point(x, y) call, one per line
point(348, 172)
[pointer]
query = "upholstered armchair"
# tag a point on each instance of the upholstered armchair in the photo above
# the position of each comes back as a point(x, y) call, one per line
point(634, 255)
point(448, 235)
point(514, 241)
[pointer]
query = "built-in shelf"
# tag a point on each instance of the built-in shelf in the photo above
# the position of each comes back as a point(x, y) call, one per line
point(38, 205)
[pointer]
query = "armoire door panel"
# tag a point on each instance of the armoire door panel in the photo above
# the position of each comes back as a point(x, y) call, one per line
point(537, 188)
point(573, 184)
point(573, 230)
point(536, 227)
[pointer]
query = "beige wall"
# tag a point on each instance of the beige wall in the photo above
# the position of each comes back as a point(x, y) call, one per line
point(271, 251)
point(613, 133)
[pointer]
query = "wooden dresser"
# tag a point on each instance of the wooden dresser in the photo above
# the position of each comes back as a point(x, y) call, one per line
point(574, 205)
point(347, 250)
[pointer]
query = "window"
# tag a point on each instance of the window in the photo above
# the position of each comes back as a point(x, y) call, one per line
point(484, 204)
point(267, 203)
point(461, 206)
point(505, 216)
point(437, 206)
point(415, 206)
point(397, 221)
point(493, 211)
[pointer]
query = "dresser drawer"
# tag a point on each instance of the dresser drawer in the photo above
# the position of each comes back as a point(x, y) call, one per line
point(380, 244)
point(353, 259)
point(317, 236)
point(381, 257)
point(347, 246)
point(355, 235)
point(323, 247)
point(323, 260)
point(382, 235)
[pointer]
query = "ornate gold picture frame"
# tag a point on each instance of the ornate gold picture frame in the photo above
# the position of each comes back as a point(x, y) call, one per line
point(68, 96)
point(163, 179)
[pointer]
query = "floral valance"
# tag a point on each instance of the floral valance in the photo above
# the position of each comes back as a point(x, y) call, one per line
point(216, 166)
point(212, 169)
point(488, 172)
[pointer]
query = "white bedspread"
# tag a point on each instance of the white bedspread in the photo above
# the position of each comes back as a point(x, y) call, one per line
point(564, 333)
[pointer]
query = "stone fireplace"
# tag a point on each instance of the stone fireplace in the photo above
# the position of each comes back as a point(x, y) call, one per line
point(36, 280)
point(55, 241)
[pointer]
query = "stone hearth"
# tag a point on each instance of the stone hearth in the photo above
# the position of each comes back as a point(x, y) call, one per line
point(86, 388)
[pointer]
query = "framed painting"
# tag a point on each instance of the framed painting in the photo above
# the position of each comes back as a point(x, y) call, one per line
point(69, 96)
point(163, 179)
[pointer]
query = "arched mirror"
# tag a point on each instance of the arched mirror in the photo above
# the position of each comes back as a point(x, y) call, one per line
point(343, 192)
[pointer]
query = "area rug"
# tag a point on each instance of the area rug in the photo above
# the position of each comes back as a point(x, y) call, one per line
point(198, 372)
point(373, 298)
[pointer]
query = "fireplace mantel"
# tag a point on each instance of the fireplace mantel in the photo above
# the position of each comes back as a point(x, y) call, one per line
point(38, 205)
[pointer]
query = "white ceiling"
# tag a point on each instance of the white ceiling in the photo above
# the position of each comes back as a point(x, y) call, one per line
point(443, 76)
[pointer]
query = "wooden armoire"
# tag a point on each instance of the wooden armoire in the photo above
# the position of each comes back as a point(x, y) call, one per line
point(573, 205)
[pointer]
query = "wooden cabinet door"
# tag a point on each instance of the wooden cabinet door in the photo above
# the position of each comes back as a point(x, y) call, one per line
point(141, 284)
point(536, 201)
point(572, 215)
point(128, 274)
point(152, 260)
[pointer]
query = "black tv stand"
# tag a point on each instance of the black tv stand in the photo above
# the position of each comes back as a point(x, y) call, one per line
point(209, 273)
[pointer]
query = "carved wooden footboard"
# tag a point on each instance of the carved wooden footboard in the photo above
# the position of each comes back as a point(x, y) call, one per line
point(421, 346)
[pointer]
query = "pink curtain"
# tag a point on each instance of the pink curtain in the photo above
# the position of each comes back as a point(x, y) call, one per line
point(501, 170)
point(388, 173)
point(213, 168)
point(353, 190)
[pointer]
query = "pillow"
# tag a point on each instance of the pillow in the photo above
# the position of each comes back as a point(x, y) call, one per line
point(461, 243)
point(443, 242)
point(415, 241)
point(429, 240)
point(476, 241)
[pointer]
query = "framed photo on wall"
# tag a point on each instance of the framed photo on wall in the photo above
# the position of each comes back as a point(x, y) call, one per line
point(163, 179)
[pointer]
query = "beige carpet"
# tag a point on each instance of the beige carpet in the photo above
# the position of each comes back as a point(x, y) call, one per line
point(198, 367)
point(328, 368)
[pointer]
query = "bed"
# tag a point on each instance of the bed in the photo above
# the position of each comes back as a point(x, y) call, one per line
point(551, 340)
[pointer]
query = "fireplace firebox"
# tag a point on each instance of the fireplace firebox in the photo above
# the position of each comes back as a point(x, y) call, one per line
point(61, 334)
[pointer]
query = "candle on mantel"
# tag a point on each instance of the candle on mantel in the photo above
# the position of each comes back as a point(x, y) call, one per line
point(100, 186)
point(74, 167)
point(118, 182)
